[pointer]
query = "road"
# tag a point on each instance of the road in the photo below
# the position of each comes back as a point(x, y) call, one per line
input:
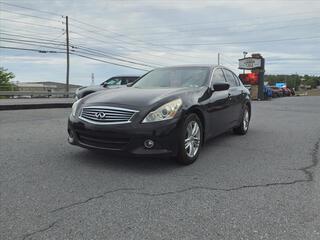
point(265, 185)
point(35, 103)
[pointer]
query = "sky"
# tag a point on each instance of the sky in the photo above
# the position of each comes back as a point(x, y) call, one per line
point(145, 34)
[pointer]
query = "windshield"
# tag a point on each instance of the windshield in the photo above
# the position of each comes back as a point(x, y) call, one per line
point(174, 78)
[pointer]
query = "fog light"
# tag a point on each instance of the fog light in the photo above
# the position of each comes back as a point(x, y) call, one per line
point(71, 136)
point(148, 143)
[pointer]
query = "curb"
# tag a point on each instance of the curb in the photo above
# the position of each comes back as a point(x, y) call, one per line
point(34, 106)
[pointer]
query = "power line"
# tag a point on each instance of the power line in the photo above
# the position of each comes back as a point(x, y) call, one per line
point(241, 42)
point(55, 38)
point(84, 56)
point(28, 15)
point(28, 8)
point(124, 47)
point(292, 59)
point(28, 23)
point(114, 54)
point(107, 36)
point(117, 64)
point(46, 43)
point(273, 28)
point(231, 61)
point(110, 57)
point(227, 61)
point(31, 41)
point(36, 33)
point(5, 19)
point(97, 53)
point(33, 38)
point(104, 51)
point(32, 44)
point(30, 49)
point(128, 37)
point(175, 31)
point(223, 21)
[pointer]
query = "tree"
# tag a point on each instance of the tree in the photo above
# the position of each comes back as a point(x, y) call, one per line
point(311, 80)
point(5, 78)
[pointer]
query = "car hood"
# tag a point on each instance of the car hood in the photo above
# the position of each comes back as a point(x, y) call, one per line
point(95, 88)
point(90, 88)
point(137, 98)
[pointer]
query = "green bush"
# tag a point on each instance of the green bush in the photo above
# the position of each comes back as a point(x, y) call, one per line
point(5, 78)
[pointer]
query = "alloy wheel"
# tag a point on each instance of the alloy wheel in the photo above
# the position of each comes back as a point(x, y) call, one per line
point(192, 139)
point(246, 120)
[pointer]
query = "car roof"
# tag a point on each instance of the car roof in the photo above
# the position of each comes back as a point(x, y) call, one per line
point(124, 76)
point(211, 66)
point(190, 65)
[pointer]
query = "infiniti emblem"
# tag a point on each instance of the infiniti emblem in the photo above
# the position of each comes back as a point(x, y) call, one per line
point(100, 115)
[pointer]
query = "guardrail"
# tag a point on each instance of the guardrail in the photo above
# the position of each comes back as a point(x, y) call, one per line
point(37, 94)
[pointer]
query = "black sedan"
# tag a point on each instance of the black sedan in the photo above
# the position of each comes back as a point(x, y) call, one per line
point(169, 111)
point(114, 82)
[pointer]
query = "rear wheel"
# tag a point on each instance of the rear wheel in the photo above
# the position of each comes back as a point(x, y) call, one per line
point(242, 129)
point(190, 140)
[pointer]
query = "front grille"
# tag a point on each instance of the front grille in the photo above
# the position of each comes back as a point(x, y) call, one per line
point(106, 115)
point(103, 140)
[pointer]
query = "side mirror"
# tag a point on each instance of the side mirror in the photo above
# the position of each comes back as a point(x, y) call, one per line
point(220, 86)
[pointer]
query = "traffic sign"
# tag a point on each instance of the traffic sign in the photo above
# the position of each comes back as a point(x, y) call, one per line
point(250, 63)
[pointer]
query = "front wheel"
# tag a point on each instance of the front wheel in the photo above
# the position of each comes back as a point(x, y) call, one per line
point(244, 125)
point(190, 140)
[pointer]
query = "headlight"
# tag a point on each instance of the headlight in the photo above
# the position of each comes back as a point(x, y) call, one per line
point(74, 107)
point(165, 112)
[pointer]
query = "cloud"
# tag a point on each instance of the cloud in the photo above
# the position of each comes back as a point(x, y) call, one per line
point(142, 31)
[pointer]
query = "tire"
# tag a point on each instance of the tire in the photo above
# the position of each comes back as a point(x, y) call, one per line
point(189, 131)
point(242, 129)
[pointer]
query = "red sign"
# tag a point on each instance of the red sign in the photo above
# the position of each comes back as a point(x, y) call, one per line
point(249, 78)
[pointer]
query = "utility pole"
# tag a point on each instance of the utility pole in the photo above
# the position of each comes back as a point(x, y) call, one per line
point(218, 58)
point(68, 57)
point(92, 78)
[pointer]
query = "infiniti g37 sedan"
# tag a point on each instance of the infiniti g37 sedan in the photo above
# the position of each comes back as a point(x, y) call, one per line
point(169, 111)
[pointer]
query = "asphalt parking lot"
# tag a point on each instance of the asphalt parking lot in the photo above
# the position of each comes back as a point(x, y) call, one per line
point(265, 185)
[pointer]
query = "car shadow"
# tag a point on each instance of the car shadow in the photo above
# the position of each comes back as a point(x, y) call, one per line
point(220, 139)
point(105, 159)
point(109, 160)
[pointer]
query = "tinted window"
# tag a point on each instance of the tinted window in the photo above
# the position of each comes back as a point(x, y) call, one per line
point(174, 77)
point(218, 76)
point(230, 78)
point(132, 79)
point(124, 81)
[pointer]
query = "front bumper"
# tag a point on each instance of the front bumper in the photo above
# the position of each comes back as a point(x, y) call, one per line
point(126, 138)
